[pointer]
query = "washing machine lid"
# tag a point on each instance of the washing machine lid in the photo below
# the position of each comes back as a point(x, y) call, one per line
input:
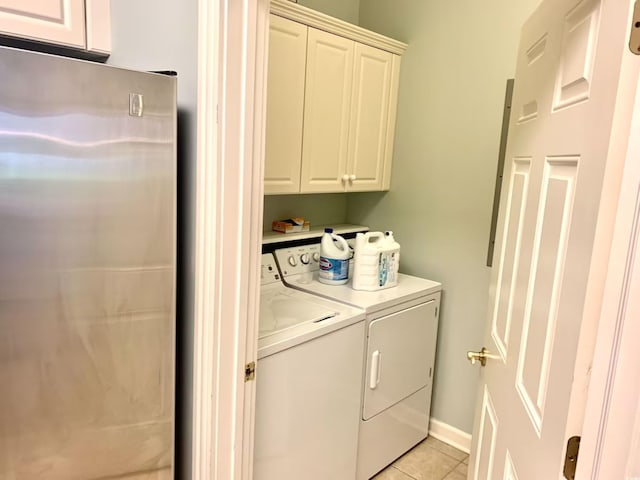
point(289, 317)
point(282, 308)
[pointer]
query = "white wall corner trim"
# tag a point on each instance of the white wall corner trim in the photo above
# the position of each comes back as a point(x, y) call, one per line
point(207, 177)
point(450, 435)
point(228, 231)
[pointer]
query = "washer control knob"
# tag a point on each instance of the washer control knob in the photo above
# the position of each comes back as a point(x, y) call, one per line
point(292, 261)
point(316, 257)
point(304, 258)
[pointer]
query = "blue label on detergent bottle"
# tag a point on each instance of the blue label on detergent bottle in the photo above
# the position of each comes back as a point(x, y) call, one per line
point(334, 268)
point(383, 269)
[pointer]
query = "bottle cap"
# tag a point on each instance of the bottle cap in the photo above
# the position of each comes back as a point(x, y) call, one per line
point(328, 230)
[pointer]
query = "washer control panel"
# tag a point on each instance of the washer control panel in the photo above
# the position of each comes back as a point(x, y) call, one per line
point(303, 259)
point(296, 260)
point(268, 271)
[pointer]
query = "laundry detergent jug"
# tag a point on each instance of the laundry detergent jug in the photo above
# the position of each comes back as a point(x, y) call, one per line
point(376, 261)
point(334, 259)
point(391, 256)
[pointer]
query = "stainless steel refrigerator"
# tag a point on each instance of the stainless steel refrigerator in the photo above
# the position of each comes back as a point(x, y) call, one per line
point(87, 270)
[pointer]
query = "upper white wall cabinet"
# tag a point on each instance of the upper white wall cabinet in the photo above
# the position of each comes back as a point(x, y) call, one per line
point(285, 103)
point(332, 91)
point(79, 24)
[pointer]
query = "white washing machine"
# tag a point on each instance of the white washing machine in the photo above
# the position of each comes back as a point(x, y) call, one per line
point(401, 330)
point(308, 381)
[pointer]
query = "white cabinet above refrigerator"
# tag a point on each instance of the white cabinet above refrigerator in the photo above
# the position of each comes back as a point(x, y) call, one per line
point(82, 25)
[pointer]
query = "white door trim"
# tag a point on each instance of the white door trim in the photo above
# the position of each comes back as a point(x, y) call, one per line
point(204, 265)
point(231, 73)
point(613, 396)
point(231, 86)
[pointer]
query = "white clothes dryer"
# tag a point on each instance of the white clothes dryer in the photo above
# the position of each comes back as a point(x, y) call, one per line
point(308, 384)
point(401, 330)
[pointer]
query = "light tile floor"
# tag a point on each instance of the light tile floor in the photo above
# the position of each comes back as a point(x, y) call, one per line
point(429, 460)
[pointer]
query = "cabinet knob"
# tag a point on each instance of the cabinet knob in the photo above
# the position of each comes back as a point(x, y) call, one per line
point(352, 178)
point(345, 178)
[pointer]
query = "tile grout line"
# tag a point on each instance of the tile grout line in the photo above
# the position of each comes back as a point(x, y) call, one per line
point(445, 453)
point(442, 451)
point(430, 447)
point(404, 473)
point(453, 469)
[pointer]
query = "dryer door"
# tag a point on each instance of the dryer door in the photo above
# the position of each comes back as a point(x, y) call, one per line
point(400, 355)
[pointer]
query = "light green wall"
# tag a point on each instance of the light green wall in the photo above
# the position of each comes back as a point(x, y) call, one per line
point(452, 86)
point(346, 10)
point(163, 35)
point(325, 209)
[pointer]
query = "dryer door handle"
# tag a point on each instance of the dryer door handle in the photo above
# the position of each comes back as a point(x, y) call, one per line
point(374, 374)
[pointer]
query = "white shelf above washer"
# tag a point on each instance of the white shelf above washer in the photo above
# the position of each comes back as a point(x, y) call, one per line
point(314, 232)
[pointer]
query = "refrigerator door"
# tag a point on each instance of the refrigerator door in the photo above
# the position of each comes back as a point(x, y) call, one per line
point(87, 269)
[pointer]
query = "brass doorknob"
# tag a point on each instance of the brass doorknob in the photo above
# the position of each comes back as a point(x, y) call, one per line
point(480, 356)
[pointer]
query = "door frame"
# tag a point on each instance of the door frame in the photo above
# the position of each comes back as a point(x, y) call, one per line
point(613, 394)
point(232, 42)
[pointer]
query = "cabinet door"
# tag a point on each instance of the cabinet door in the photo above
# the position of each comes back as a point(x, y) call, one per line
point(326, 115)
point(98, 13)
point(400, 355)
point(369, 118)
point(391, 122)
point(44, 20)
point(285, 105)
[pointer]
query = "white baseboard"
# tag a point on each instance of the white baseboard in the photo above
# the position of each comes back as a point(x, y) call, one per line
point(450, 435)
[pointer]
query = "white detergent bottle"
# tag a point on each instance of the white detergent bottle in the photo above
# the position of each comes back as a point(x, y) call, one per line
point(334, 259)
point(366, 260)
point(390, 257)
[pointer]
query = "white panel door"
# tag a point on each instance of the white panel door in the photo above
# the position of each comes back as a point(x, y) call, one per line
point(44, 20)
point(566, 86)
point(326, 115)
point(369, 118)
point(400, 352)
point(285, 105)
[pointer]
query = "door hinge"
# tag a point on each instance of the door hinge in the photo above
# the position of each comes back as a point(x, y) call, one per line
point(249, 371)
point(634, 37)
point(571, 458)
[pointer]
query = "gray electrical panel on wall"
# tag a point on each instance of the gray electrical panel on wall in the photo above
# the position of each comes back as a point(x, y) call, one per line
point(506, 115)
